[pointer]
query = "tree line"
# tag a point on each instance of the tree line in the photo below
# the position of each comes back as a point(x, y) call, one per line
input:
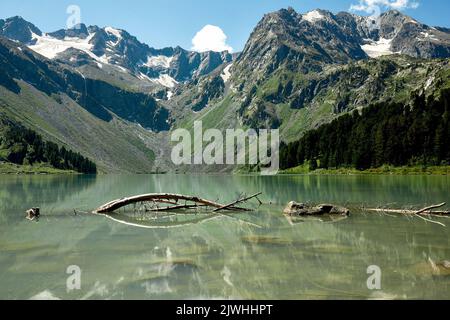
point(383, 134)
point(25, 146)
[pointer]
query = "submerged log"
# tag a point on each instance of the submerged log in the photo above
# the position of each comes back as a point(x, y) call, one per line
point(301, 209)
point(167, 198)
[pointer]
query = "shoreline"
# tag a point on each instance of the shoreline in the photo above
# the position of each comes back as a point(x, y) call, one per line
point(7, 168)
point(385, 170)
point(26, 170)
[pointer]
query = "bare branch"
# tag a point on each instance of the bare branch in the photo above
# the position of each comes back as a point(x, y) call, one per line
point(237, 202)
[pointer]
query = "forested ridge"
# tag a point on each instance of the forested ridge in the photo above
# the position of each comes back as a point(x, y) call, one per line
point(20, 146)
point(383, 134)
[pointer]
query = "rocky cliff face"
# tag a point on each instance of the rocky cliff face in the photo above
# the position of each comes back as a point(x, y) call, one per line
point(17, 28)
point(290, 57)
point(99, 98)
point(309, 42)
point(394, 32)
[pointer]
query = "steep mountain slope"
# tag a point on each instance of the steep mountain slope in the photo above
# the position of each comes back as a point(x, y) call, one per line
point(382, 134)
point(296, 102)
point(101, 121)
point(22, 146)
point(99, 98)
point(102, 92)
point(18, 29)
point(309, 42)
point(298, 71)
point(394, 32)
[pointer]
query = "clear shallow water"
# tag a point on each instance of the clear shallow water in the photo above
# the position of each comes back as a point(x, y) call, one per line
point(256, 255)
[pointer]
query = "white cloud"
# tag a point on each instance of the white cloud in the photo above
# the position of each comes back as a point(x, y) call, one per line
point(373, 6)
point(210, 38)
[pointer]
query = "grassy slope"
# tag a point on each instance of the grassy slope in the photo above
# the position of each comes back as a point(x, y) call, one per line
point(222, 114)
point(117, 146)
point(120, 146)
point(412, 75)
point(383, 83)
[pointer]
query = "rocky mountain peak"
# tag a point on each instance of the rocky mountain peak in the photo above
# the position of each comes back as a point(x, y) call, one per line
point(95, 46)
point(79, 31)
point(17, 28)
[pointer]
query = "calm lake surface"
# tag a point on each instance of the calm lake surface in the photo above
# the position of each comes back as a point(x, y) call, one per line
point(258, 255)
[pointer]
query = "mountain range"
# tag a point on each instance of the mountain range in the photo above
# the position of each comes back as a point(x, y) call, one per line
point(102, 92)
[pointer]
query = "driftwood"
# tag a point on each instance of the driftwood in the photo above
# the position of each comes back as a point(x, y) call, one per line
point(300, 209)
point(237, 202)
point(190, 202)
point(422, 214)
point(425, 211)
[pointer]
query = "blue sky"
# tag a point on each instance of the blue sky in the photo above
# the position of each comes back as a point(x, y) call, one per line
point(162, 23)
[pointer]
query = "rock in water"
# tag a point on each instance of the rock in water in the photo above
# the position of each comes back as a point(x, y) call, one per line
point(33, 213)
point(300, 209)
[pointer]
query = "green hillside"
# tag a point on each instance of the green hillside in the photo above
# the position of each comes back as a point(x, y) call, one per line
point(24, 147)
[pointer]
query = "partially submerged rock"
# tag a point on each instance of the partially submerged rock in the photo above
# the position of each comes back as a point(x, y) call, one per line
point(33, 214)
point(300, 209)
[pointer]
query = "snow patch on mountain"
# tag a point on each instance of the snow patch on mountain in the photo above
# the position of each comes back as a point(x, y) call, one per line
point(122, 69)
point(115, 32)
point(166, 81)
point(50, 47)
point(427, 36)
point(429, 82)
point(376, 49)
point(159, 61)
point(143, 76)
point(313, 16)
point(226, 74)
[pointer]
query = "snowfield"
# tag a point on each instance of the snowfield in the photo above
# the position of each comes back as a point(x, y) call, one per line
point(50, 47)
point(166, 81)
point(226, 74)
point(115, 32)
point(378, 48)
point(159, 61)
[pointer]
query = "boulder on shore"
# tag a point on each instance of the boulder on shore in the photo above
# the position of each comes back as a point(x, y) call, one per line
point(300, 209)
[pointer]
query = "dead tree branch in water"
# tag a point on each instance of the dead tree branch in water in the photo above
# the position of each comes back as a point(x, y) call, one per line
point(237, 202)
point(428, 211)
point(191, 202)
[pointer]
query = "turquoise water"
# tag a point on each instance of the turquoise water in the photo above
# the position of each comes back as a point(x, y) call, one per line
point(257, 255)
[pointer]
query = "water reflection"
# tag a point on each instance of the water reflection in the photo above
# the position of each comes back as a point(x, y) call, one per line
point(256, 255)
point(20, 193)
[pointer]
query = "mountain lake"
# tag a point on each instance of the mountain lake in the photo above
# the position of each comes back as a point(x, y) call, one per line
point(250, 255)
